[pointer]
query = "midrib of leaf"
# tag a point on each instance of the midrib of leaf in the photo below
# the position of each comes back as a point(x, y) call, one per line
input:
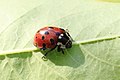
point(74, 43)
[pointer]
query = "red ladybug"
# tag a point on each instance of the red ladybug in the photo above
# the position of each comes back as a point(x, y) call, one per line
point(52, 37)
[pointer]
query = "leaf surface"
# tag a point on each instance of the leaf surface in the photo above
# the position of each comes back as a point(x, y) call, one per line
point(95, 53)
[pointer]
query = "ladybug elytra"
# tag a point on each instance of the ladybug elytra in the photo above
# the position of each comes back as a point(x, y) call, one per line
point(52, 37)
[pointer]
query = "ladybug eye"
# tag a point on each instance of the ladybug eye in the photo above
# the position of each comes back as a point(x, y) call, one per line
point(46, 32)
point(43, 37)
point(52, 41)
point(69, 44)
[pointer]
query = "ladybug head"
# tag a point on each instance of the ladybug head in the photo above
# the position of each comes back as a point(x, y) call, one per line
point(65, 40)
point(68, 44)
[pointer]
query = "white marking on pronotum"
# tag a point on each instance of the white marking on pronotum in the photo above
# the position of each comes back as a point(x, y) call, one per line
point(42, 32)
point(59, 37)
point(61, 34)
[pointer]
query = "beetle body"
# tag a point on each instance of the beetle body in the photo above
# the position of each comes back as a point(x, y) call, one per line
point(52, 37)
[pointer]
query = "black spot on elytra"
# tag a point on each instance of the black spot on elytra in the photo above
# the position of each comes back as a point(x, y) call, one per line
point(36, 37)
point(52, 41)
point(51, 27)
point(57, 33)
point(46, 33)
point(43, 37)
point(44, 46)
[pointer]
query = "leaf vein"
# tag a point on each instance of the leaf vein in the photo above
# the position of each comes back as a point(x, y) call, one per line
point(97, 58)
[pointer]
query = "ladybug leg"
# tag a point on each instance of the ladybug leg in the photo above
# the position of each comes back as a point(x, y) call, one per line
point(44, 57)
point(50, 51)
point(60, 49)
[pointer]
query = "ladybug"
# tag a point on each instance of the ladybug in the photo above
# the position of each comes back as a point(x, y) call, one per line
point(51, 38)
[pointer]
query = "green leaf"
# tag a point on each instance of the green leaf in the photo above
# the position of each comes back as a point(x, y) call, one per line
point(95, 53)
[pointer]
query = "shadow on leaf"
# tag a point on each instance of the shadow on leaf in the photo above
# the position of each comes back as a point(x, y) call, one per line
point(2, 57)
point(73, 57)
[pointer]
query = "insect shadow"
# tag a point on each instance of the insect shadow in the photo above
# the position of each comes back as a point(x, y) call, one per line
point(73, 57)
point(2, 57)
